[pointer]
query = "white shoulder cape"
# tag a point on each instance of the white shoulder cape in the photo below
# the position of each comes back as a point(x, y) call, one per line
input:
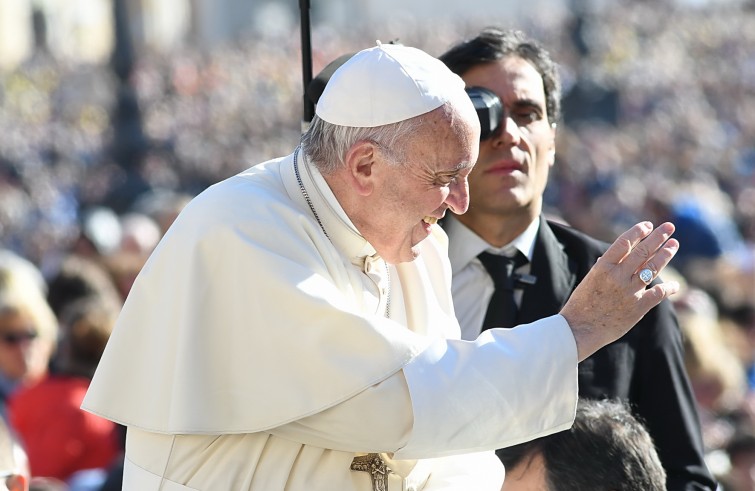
point(247, 317)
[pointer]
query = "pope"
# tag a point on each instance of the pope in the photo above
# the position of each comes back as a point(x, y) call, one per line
point(294, 328)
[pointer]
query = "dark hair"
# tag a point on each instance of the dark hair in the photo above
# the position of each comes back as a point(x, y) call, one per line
point(493, 44)
point(79, 277)
point(607, 449)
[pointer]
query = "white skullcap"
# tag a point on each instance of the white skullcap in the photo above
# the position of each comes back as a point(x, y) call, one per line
point(387, 84)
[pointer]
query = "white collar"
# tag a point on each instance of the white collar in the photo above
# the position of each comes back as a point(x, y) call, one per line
point(465, 245)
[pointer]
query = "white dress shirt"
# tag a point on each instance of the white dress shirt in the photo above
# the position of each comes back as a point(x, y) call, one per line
point(472, 286)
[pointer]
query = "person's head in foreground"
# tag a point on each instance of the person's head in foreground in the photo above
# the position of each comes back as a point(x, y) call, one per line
point(399, 159)
point(607, 449)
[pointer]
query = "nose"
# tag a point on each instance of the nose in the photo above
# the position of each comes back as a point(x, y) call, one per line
point(458, 197)
point(508, 134)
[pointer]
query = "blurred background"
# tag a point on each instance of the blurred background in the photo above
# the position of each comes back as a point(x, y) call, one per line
point(114, 113)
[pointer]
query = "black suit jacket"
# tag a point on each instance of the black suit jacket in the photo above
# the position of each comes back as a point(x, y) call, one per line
point(644, 368)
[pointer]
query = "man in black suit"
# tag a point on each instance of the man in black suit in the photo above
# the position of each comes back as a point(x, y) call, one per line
point(644, 368)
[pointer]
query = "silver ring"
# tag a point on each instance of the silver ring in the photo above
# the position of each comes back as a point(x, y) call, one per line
point(646, 275)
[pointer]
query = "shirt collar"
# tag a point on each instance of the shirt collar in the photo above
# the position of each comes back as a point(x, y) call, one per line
point(466, 245)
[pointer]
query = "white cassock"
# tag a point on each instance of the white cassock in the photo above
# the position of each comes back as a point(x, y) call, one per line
point(255, 352)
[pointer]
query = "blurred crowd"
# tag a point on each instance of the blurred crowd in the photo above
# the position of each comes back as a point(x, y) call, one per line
point(659, 124)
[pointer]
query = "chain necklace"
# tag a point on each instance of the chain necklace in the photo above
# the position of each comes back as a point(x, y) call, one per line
point(305, 194)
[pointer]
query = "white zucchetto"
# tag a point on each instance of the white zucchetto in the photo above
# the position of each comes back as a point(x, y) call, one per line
point(387, 84)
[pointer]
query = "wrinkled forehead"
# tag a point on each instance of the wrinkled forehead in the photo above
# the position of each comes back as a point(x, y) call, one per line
point(446, 140)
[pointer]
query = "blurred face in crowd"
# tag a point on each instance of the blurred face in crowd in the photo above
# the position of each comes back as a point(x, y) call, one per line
point(21, 350)
point(512, 169)
point(406, 198)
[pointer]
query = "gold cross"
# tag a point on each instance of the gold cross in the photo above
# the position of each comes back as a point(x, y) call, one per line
point(378, 470)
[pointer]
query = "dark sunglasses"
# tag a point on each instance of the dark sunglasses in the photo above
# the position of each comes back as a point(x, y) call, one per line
point(17, 337)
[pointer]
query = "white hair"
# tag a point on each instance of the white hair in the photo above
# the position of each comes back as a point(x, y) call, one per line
point(326, 144)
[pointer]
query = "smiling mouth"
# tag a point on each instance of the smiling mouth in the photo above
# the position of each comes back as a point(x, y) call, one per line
point(430, 220)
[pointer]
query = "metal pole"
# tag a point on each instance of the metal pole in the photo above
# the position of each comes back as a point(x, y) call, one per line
point(306, 63)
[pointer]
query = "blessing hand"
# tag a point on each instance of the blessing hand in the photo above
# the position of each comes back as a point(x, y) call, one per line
point(615, 295)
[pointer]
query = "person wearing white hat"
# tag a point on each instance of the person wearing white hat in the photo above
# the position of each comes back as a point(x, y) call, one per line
point(294, 328)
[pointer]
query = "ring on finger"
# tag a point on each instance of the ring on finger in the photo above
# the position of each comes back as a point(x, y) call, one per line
point(646, 275)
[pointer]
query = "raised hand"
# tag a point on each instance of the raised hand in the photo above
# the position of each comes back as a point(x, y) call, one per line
point(612, 297)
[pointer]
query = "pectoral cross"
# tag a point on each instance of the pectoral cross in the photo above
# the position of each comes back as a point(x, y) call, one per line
point(378, 470)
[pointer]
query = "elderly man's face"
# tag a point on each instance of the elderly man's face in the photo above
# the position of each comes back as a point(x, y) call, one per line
point(413, 194)
point(513, 166)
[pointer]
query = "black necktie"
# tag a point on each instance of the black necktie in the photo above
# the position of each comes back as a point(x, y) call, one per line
point(502, 307)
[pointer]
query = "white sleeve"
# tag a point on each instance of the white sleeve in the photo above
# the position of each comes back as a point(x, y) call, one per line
point(508, 386)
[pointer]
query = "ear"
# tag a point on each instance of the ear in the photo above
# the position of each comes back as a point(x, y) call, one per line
point(360, 159)
point(552, 147)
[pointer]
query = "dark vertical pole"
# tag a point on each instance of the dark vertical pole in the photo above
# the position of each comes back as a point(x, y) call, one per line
point(39, 26)
point(122, 59)
point(306, 63)
point(129, 143)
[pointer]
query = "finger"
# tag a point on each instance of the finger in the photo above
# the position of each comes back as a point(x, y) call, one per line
point(657, 293)
point(648, 248)
point(662, 257)
point(627, 241)
point(646, 275)
point(658, 262)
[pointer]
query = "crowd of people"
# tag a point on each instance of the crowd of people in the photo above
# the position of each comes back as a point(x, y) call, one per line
point(657, 126)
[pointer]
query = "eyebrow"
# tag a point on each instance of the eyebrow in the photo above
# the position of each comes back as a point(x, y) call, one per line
point(459, 167)
point(528, 103)
point(454, 171)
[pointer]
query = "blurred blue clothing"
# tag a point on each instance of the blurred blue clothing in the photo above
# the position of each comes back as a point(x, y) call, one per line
point(703, 232)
